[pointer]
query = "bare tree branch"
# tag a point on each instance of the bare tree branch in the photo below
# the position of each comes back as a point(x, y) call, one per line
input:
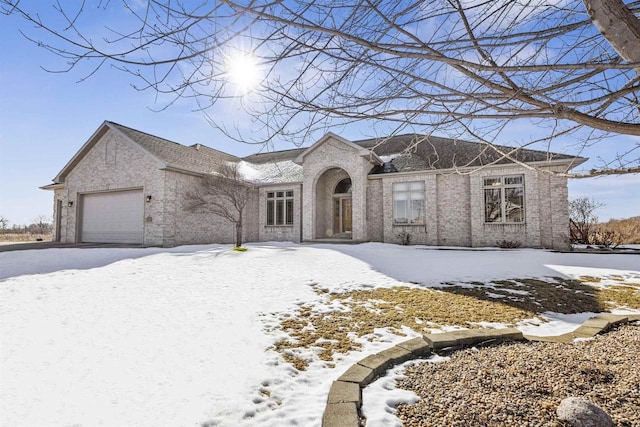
point(453, 67)
point(224, 193)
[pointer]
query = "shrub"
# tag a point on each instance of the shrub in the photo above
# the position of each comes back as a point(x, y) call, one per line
point(605, 238)
point(405, 238)
point(508, 244)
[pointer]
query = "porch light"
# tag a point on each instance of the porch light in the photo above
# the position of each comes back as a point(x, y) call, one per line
point(148, 199)
point(70, 203)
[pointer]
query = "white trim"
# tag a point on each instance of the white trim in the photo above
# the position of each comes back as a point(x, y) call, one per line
point(54, 186)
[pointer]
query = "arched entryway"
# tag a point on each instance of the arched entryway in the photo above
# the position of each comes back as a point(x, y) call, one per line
point(333, 207)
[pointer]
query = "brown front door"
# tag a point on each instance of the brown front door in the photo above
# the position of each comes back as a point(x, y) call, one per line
point(346, 215)
point(342, 215)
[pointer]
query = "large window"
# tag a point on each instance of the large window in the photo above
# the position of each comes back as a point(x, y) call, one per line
point(280, 207)
point(504, 199)
point(408, 203)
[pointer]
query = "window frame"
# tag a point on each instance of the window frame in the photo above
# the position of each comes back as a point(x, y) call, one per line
point(500, 183)
point(279, 208)
point(410, 192)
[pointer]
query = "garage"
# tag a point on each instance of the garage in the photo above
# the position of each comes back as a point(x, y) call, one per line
point(112, 217)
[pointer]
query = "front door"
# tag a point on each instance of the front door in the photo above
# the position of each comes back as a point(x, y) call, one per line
point(342, 215)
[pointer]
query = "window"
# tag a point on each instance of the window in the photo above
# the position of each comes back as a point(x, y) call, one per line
point(280, 207)
point(343, 187)
point(408, 203)
point(504, 199)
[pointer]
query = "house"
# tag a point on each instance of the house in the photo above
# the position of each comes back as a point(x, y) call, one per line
point(127, 186)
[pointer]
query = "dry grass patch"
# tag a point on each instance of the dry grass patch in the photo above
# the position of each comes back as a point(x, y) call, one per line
point(620, 296)
point(356, 314)
point(363, 311)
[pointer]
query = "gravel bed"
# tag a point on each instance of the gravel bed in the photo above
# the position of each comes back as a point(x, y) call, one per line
point(522, 384)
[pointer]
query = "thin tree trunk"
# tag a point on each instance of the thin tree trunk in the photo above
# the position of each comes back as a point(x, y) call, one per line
point(238, 234)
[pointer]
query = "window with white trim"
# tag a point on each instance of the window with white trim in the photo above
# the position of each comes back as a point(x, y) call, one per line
point(280, 207)
point(408, 203)
point(504, 199)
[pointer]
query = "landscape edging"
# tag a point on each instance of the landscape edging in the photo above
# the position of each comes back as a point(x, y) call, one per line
point(345, 400)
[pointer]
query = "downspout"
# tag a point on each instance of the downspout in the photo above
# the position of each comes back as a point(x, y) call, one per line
point(301, 212)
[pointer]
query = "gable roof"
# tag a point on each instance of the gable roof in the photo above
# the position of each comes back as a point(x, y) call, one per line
point(414, 152)
point(196, 158)
point(362, 151)
point(401, 153)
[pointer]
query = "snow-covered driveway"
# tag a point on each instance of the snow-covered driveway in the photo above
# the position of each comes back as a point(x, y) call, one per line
point(179, 337)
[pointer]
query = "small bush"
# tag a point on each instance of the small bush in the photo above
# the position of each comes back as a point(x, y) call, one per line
point(239, 249)
point(605, 238)
point(405, 238)
point(508, 244)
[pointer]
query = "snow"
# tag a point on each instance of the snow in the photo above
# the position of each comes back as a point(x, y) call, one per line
point(182, 336)
point(282, 171)
point(381, 397)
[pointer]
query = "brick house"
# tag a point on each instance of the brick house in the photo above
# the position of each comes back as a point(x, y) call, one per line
point(127, 186)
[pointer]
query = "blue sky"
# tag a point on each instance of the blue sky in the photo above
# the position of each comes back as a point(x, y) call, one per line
point(45, 118)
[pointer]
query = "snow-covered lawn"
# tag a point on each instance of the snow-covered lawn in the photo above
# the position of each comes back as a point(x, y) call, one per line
point(182, 336)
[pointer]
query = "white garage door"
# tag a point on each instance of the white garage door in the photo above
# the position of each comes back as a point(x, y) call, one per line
point(115, 217)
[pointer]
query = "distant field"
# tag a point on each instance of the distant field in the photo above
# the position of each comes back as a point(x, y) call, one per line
point(24, 237)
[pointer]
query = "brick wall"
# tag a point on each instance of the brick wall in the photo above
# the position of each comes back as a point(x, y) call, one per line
point(278, 233)
point(113, 164)
point(455, 210)
point(331, 154)
point(186, 227)
point(375, 211)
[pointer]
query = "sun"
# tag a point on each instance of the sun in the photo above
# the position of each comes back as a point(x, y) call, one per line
point(243, 71)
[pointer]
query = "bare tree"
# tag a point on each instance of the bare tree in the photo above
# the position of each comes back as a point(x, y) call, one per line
point(42, 224)
point(460, 68)
point(4, 222)
point(224, 193)
point(582, 219)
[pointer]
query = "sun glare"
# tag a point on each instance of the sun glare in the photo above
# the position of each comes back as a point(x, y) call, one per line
point(243, 71)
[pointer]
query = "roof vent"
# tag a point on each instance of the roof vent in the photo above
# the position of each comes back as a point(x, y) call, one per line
point(196, 146)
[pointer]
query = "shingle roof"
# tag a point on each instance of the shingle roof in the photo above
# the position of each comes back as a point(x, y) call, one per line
point(401, 153)
point(405, 153)
point(196, 158)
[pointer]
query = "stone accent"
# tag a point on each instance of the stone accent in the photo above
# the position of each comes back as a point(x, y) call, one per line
point(418, 346)
point(590, 328)
point(578, 412)
point(466, 337)
point(376, 362)
point(358, 374)
point(366, 370)
point(345, 392)
point(341, 415)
